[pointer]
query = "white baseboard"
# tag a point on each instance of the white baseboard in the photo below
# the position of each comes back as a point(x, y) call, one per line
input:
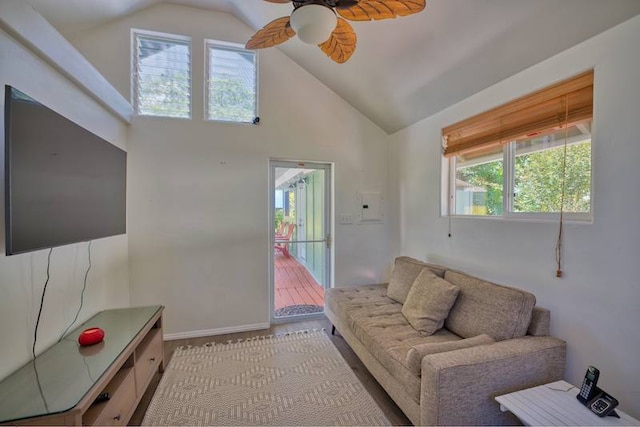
point(218, 331)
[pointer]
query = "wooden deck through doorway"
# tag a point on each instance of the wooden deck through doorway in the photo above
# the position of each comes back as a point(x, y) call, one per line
point(294, 285)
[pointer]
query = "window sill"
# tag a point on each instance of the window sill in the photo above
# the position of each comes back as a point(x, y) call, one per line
point(551, 219)
point(229, 122)
point(154, 117)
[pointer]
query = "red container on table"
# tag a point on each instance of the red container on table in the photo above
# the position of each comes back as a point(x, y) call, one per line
point(91, 336)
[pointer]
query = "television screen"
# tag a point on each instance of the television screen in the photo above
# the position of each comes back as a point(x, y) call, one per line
point(63, 184)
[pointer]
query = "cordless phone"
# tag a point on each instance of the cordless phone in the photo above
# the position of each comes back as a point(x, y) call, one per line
point(588, 384)
point(603, 405)
point(597, 400)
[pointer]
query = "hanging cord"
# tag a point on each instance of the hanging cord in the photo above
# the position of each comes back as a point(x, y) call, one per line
point(84, 287)
point(44, 290)
point(450, 189)
point(450, 205)
point(562, 194)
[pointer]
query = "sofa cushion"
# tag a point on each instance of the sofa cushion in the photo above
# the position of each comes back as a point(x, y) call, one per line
point(486, 308)
point(418, 351)
point(389, 341)
point(405, 271)
point(385, 332)
point(428, 302)
point(386, 319)
point(342, 300)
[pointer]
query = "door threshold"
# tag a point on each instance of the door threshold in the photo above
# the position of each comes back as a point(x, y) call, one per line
point(298, 318)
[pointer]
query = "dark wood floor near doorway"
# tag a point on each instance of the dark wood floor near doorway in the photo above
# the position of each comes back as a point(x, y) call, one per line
point(390, 409)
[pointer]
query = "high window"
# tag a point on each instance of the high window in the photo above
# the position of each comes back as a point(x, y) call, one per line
point(161, 74)
point(232, 85)
point(528, 158)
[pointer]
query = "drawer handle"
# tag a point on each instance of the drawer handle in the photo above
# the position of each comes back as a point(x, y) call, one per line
point(117, 417)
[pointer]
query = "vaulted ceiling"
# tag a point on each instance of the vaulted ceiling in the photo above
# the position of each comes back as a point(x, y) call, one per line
point(408, 68)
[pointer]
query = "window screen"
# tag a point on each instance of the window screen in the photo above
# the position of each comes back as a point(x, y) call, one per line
point(231, 83)
point(162, 75)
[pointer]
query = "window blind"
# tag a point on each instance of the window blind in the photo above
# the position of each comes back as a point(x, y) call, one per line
point(567, 103)
point(231, 84)
point(162, 76)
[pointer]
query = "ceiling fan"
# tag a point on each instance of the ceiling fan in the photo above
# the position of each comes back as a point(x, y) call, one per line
point(324, 23)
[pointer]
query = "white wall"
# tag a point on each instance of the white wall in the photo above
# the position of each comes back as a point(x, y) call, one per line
point(22, 277)
point(595, 307)
point(198, 199)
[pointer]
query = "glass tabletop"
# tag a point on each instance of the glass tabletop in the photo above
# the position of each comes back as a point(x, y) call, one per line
point(60, 377)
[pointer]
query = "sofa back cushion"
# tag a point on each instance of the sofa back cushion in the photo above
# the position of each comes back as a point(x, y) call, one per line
point(428, 302)
point(405, 271)
point(486, 308)
point(540, 321)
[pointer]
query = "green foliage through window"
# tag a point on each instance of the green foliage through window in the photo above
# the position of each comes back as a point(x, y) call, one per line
point(231, 84)
point(485, 191)
point(230, 100)
point(162, 84)
point(537, 178)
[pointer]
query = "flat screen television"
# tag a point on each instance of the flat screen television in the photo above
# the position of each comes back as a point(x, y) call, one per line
point(63, 184)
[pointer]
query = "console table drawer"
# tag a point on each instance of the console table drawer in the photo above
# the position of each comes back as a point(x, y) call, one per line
point(117, 410)
point(148, 357)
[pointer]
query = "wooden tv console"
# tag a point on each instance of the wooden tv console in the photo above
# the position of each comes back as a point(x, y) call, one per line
point(64, 384)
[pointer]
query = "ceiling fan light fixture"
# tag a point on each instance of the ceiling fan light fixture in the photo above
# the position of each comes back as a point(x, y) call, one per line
point(313, 23)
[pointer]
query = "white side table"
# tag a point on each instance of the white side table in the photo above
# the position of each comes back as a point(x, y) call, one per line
point(555, 404)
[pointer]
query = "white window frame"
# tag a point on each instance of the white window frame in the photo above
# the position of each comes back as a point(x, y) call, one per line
point(448, 198)
point(228, 46)
point(135, 32)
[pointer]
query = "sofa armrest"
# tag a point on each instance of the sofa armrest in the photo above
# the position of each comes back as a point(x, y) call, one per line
point(418, 351)
point(458, 387)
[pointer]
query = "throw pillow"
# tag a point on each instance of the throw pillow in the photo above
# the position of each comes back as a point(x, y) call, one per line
point(405, 271)
point(419, 351)
point(428, 302)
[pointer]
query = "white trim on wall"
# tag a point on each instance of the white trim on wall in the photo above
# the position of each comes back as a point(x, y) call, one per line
point(216, 331)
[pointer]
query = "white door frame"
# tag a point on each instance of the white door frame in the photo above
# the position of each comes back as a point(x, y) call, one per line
point(301, 219)
point(328, 227)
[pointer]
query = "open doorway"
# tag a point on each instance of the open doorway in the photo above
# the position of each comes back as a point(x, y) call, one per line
point(300, 238)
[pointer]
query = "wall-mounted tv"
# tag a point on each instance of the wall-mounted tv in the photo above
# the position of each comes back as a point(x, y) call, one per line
point(63, 184)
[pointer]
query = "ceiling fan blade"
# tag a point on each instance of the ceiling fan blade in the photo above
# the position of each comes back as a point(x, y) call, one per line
point(366, 10)
point(341, 44)
point(274, 33)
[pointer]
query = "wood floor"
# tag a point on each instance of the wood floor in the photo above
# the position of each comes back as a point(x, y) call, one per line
point(294, 285)
point(392, 412)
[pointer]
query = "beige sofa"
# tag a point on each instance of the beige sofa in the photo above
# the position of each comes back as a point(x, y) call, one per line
point(494, 341)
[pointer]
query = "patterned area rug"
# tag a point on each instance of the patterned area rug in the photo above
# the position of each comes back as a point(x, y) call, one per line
point(297, 379)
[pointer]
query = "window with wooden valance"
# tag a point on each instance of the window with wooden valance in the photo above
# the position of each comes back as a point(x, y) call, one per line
point(567, 103)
